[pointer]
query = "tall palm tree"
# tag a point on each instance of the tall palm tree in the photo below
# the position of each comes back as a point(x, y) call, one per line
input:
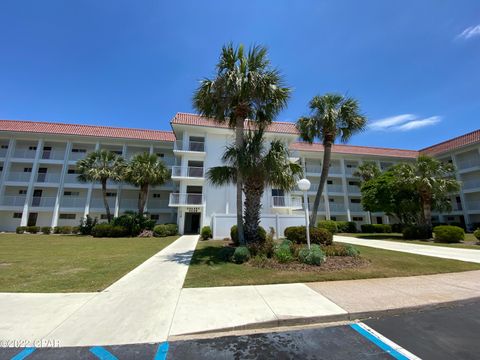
point(260, 167)
point(433, 180)
point(245, 86)
point(145, 170)
point(101, 166)
point(332, 116)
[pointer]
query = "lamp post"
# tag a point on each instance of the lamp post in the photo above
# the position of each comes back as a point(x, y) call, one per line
point(304, 186)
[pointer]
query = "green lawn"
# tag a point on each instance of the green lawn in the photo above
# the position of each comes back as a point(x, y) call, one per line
point(70, 263)
point(470, 241)
point(207, 268)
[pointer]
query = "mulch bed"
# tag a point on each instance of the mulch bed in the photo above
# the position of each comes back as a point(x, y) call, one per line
point(333, 263)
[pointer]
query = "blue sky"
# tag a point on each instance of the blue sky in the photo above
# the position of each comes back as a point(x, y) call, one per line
point(413, 65)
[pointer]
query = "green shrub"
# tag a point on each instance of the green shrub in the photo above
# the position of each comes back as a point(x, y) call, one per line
point(262, 234)
point(75, 229)
point(269, 245)
point(86, 225)
point(397, 228)
point(241, 255)
point(476, 233)
point(352, 251)
point(312, 256)
point(109, 230)
point(448, 234)
point(206, 233)
point(133, 222)
point(46, 230)
point(340, 250)
point(346, 226)
point(165, 230)
point(172, 229)
point(20, 229)
point(33, 229)
point(298, 235)
point(62, 230)
point(417, 232)
point(283, 253)
point(330, 225)
point(376, 228)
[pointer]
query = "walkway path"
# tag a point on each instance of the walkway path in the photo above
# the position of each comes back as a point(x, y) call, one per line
point(469, 255)
point(137, 308)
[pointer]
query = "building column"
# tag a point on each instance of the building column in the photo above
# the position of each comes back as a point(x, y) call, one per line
point(344, 187)
point(119, 189)
point(59, 197)
point(6, 166)
point(90, 190)
point(31, 184)
point(461, 194)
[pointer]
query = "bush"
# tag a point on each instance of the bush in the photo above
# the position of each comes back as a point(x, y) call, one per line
point(241, 255)
point(346, 226)
point(376, 228)
point(62, 230)
point(206, 233)
point(330, 225)
point(20, 229)
point(340, 250)
point(397, 228)
point(417, 232)
point(283, 253)
point(312, 256)
point(298, 235)
point(33, 229)
point(134, 223)
point(262, 234)
point(269, 245)
point(476, 233)
point(165, 230)
point(86, 225)
point(448, 234)
point(109, 230)
point(46, 230)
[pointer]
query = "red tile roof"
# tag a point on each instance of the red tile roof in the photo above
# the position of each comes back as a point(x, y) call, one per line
point(357, 150)
point(455, 143)
point(85, 130)
point(198, 120)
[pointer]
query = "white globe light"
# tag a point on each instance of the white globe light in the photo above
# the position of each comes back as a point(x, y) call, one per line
point(303, 184)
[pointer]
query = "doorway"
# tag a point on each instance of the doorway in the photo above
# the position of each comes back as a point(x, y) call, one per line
point(32, 219)
point(37, 195)
point(42, 174)
point(192, 223)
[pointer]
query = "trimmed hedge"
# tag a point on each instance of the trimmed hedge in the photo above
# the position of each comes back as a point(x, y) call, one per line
point(376, 228)
point(20, 229)
point(346, 226)
point(109, 230)
point(262, 234)
point(330, 225)
point(340, 250)
point(33, 229)
point(318, 236)
point(206, 233)
point(448, 234)
point(46, 230)
point(165, 230)
point(62, 230)
point(417, 232)
point(312, 256)
point(476, 233)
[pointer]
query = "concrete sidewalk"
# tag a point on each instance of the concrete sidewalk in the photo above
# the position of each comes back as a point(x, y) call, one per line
point(137, 308)
point(469, 255)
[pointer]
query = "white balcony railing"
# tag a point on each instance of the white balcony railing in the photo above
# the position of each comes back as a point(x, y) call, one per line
point(321, 206)
point(196, 146)
point(468, 163)
point(187, 171)
point(356, 207)
point(73, 202)
point(13, 200)
point(473, 205)
point(471, 184)
point(291, 202)
point(24, 154)
point(350, 170)
point(48, 178)
point(335, 170)
point(19, 176)
point(3, 153)
point(336, 207)
point(313, 169)
point(52, 155)
point(334, 188)
point(71, 178)
point(130, 204)
point(74, 156)
point(153, 204)
point(40, 201)
point(185, 199)
point(353, 189)
point(98, 203)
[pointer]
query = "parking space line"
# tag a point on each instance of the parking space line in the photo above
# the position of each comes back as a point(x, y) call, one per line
point(24, 353)
point(102, 354)
point(162, 351)
point(384, 343)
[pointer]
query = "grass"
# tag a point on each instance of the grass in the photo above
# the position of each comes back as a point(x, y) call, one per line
point(70, 263)
point(208, 269)
point(470, 241)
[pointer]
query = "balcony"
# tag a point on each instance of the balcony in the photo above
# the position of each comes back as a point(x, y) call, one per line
point(187, 172)
point(336, 207)
point(40, 201)
point(24, 154)
point(97, 203)
point(350, 171)
point(334, 188)
point(48, 178)
point(185, 199)
point(468, 163)
point(321, 206)
point(129, 204)
point(3, 153)
point(52, 155)
point(13, 200)
point(19, 176)
point(76, 202)
point(71, 179)
point(353, 189)
point(74, 156)
point(153, 204)
point(356, 207)
point(473, 205)
point(471, 184)
point(192, 146)
point(288, 202)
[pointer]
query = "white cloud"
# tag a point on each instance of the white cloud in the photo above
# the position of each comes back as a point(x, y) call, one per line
point(403, 122)
point(470, 32)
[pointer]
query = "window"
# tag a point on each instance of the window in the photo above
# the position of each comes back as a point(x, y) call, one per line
point(67, 216)
point(17, 215)
point(27, 170)
point(355, 201)
point(450, 218)
point(154, 217)
point(79, 150)
point(161, 155)
point(277, 192)
point(22, 192)
point(1, 168)
point(331, 200)
point(4, 146)
point(71, 193)
point(354, 183)
point(329, 182)
point(103, 217)
point(32, 148)
point(156, 196)
point(357, 218)
point(334, 218)
point(111, 194)
point(118, 152)
point(72, 171)
point(350, 166)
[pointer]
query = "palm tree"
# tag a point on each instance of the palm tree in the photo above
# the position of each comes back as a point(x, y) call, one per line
point(433, 180)
point(245, 86)
point(332, 116)
point(260, 167)
point(101, 166)
point(367, 171)
point(145, 170)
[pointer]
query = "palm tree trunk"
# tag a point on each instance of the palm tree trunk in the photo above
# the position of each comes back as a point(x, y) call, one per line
point(427, 210)
point(327, 153)
point(253, 206)
point(142, 199)
point(105, 200)
point(239, 140)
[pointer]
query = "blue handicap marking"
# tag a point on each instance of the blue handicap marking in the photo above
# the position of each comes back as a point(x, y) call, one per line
point(24, 353)
point(162, 351)
point(101, 353)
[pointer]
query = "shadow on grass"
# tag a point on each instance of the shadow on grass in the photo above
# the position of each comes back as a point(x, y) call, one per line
point(211, 255)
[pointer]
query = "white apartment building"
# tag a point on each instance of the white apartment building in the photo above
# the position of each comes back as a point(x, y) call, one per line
point(39, 186)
